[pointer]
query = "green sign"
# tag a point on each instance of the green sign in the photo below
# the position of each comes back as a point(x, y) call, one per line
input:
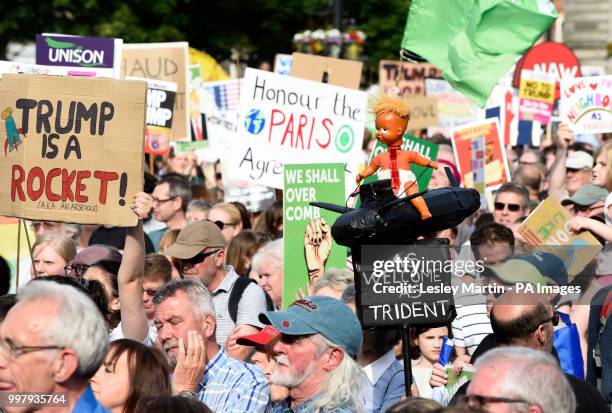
point(309, 247)
point(180, 147)
point(410, 143)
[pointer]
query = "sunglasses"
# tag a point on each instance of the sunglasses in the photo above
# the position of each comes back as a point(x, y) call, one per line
point(554, 319)
point(499, 206)
point(221, 224)
point(197, 259)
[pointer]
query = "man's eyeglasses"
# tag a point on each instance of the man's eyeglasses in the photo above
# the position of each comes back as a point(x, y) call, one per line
point(477, 401)
point(499, 206)
point(13, 351)
point(76, 269)
point(193, 261)
point(157, 201)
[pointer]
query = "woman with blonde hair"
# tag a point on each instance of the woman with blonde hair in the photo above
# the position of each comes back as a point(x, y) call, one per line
point(228, 219)
point(602, 176)
point(51, 253)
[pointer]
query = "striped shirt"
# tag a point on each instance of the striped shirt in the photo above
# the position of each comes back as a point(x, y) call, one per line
point(471, 325)
point(232, 386)
point(252, 303)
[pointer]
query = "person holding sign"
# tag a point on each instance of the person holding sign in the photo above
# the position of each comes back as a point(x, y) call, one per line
point(392, 115)
point(602, 177)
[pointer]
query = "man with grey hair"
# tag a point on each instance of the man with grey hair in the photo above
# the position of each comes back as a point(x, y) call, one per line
point(51, 343)
point(519, 379)
point(528, 320)
point(186, 323)
point(319, 337)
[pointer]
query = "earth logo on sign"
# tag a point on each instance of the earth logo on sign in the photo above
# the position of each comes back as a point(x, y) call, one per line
point(345, 138)
point(254, 121)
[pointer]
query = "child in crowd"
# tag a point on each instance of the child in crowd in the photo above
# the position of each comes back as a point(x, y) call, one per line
point(425, 350)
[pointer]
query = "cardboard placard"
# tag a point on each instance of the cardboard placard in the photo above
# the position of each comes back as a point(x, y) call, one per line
point(340, 72)
point(73, 148)
point(198, 128)
point(496, 164)
point(409, 78)
point(284, 119)
point(546, 228)
point(80, 55)
point(219, 101)
point(454, 109)
point(31, 69)
point(13, 230)
point(536, 96)
point(500, 105)
point(586, 105)
point(423, 112)
point(304, 184)
point(160, 107)
point(554, 59)
point(478, 168)
point(163, 61)
point(283, 63)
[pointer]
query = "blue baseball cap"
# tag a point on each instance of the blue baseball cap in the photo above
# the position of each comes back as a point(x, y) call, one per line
point(548, 264)
point(319, 314)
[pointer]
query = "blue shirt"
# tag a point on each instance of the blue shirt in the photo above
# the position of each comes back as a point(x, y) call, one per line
point(232, 386)
point(88, 403)
point(385, 385)
point(306, 407)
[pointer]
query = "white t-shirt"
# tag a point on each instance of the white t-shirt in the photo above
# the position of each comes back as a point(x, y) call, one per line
point(117, 333)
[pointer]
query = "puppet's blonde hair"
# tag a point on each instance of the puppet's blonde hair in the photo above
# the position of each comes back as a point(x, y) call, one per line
point(386, 103)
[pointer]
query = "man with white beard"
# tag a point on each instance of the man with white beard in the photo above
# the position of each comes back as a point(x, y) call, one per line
point(320, 336)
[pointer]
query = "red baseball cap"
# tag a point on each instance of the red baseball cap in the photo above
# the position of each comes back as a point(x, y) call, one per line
point(259, 339)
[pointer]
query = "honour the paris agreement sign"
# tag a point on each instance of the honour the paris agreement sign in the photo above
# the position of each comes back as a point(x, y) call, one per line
point(285, 119)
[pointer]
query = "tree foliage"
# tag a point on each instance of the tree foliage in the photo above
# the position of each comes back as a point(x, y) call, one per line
point(259, 28)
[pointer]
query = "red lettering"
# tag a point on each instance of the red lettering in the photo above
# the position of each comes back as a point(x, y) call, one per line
point(48, 182)
point(17, 182)
point(325, 122)
point(34, 173)
point(104, 178)
point(606, 101)
point(311, 131)
point(300, 137)
point(288, 129)
point(80, 186)
point(273, 123)
point(67, 180)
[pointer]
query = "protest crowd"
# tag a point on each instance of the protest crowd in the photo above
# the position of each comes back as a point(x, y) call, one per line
point(198, 277)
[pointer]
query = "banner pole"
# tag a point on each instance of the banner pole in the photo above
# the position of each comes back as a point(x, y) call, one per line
point(29, 247)
point(407, 360)
point(18, 251)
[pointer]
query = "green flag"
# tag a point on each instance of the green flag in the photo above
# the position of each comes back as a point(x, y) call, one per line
point(474, 42)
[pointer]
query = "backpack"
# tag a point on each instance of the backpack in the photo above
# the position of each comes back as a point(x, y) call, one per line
point(240, 285)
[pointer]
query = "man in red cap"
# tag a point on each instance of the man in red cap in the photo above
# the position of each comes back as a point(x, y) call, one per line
point(263, 357)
